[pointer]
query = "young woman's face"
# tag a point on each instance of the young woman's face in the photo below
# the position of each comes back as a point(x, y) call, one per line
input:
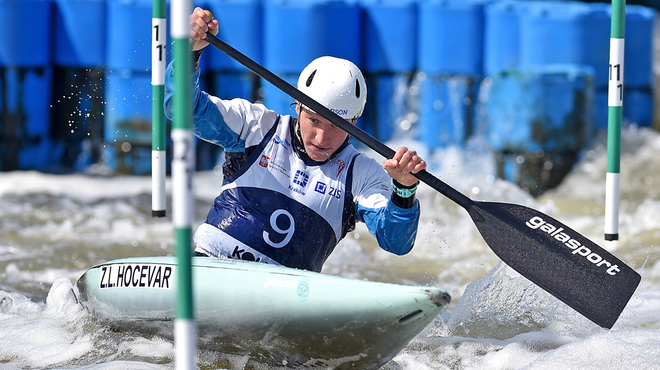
point(319, 136)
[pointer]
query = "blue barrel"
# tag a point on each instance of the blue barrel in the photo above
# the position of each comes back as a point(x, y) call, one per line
point(390, 56)
point(26, 80)
point(451, 37)
point(445, 109)
point(540, 120)
point(241, 26)
point(601, 108)
point(549, 109)
point(596, 24)
point(79, 58)
point(299, 31)
point(638, 57)
point(16, 50)
point(128, 109)
point(25, 119)
point(551, 33)
point(230, 86)
point(450, 61)
point(502, 36)
point(127, 130)
point(126, 159)
point(638, 107)
point(638, 75)
point(534, 172)
point(129, 35)
point(80, 33)
point(596, 29)
point(127, 113)
point(388, 109)
point(274, 99)
point(390, 35)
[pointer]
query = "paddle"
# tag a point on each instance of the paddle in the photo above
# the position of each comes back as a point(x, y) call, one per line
point(550, 254)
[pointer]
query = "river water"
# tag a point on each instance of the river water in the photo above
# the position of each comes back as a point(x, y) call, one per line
point(54, 227)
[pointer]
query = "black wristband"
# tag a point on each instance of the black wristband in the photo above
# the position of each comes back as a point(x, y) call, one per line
point(197, 55)
point(403, 195)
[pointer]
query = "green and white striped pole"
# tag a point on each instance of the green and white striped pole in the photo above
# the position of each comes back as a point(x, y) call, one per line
point(158, 65)
point(614, 117)
point(183, 165)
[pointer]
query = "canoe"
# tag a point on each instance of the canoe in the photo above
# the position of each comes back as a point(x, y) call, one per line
point(276, 315)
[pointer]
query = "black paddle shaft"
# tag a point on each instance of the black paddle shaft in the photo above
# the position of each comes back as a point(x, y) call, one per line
point(550, 254)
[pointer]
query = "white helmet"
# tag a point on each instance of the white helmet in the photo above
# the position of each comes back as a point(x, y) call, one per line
point(335, 83)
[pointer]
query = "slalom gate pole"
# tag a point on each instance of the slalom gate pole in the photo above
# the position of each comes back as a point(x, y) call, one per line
point(183, 165)
point(614, 118)
point(158, 64)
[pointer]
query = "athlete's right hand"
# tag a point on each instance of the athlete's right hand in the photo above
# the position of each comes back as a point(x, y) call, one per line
point(201, 22)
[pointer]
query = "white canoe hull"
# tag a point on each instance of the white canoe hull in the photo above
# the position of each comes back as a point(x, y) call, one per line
point(275, 314)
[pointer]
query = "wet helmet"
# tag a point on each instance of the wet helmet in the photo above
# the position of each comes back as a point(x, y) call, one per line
point(335, 83)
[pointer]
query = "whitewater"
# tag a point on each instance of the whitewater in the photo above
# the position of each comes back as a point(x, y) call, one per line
point(54, 227)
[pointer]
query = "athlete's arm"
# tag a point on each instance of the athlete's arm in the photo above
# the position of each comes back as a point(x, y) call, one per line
point(232, 124)
point(394, 226)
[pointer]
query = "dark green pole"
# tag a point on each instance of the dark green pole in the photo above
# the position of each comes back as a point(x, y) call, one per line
point(183, 165)
point(158, 65)
point(614, 118)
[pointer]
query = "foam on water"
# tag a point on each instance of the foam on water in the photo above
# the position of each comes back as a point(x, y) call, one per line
point(43, 335)
point(59, 333)
point(54, 227)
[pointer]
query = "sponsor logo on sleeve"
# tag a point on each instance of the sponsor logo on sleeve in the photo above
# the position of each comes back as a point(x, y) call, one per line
point(136, 276)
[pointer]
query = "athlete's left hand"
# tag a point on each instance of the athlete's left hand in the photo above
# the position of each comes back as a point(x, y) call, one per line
point(403, 164)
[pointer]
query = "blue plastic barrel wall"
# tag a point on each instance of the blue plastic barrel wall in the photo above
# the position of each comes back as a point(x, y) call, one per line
point(241, 26)
point(638, 71)
point(127, 131)
point(450, 68)
point(299, 31)
point(426, 62)
point(25, 87)
point(390, 60)
point(524, 35)
point(541, 119)
point(78, 66)
point(502, 36)
point(565, 42)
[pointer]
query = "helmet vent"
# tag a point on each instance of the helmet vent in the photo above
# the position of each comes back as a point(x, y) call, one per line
point(357, 88)
point(310, 78)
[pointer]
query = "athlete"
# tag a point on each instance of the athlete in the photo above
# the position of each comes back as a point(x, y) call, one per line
point(293, 186)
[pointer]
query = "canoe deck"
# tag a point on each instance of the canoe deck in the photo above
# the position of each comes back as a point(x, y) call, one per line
point(274, 314)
